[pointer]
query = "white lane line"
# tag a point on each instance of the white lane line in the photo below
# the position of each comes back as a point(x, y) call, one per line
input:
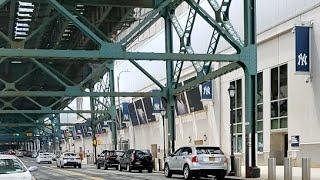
point(72, 173)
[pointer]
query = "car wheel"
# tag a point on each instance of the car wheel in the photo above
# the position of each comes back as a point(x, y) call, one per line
point(98, 166)
point(167, 171)
point(105, 167)
point(120, 169)
point(140, 170)
point(79, 166)
point(117, 167)
point(186, 172)
point(150, 170)
point(128, 168)
point(75, 166)
point(220, 176)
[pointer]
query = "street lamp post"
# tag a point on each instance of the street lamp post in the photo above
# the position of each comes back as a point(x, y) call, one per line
point(163, 113)
point(232, 92)
point(118, 85)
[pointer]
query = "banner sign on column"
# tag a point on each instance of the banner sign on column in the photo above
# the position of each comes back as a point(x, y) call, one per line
point(206, 90)
point(302, 62)
point(156, 103)
point(125, 112)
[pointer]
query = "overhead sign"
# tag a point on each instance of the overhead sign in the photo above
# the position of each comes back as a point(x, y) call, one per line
point(156, 103)
point(125, 112)
point(206, 90)
point(295, 141)
point(303, 60)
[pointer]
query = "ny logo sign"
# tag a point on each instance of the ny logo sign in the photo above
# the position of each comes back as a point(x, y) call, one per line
point(302, 59)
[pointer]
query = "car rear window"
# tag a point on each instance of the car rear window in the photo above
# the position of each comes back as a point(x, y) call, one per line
point(70, 154)
point(119, 153)
point(208, 150)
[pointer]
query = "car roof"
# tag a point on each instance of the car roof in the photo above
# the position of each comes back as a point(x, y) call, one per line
point(8, 157)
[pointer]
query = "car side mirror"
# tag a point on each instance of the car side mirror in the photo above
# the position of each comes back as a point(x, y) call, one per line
point(171, 155)
point(33, 168)
point(99, 155)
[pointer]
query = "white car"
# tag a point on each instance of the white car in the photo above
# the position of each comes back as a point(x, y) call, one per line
point(12, 167)
point(69, 159)
point(195, 161)
point(44, 158)
point(34, 154)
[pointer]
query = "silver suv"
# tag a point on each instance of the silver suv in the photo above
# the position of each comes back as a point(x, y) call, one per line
point(195, 161)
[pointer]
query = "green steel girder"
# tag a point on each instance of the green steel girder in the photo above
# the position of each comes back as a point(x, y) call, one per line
point(118, 3)
point(211, 75)
point(147, 74)
point(109, 51)
point(98, 56)
point(78, 93)
point(211, 21)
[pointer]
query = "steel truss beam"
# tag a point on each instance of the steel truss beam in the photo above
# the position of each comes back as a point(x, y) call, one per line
point(90, 56)
point(78, 94)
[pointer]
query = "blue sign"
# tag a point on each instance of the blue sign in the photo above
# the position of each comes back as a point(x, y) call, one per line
point(302, 49)
point(125, 112)
point(206, 90)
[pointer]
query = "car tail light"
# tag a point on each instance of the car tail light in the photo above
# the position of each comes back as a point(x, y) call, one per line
point(194, 159)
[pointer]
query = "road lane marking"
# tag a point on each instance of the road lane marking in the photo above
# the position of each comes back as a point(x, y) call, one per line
point(72, 173)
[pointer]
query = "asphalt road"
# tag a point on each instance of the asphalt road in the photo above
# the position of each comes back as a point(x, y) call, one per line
point(90, 172)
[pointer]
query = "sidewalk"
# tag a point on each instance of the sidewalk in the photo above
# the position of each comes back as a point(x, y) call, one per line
point(296, 173)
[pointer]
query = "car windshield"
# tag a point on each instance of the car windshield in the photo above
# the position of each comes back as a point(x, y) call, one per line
point(208, 150)
point(119, 153)
point(11, 166)
point(70, 154)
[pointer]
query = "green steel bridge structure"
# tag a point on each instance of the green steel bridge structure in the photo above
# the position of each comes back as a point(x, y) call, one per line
point(53, 51)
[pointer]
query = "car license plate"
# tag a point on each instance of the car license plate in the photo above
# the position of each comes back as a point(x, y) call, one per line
point(212, 159)
point(138, 163)
point(71, 159)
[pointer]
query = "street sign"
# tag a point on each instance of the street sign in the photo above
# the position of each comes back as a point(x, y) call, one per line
point(302, 62)
point(295, 141)
point(206, 90)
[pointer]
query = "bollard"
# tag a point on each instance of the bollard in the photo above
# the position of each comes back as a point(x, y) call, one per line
point(272, 169)
point(237, 166)
point(306, 168)
point(287, 169)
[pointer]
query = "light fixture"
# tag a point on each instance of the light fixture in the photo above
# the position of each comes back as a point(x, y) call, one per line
point(232, 91)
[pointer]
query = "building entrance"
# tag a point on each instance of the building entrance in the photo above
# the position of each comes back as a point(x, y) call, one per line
point(279, 146)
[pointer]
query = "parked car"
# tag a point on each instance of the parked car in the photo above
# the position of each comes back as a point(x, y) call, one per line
point(109, 159)
point(19, 153)
point(34, 154)
point(29, 154)
point(193, 161)
point(100, 159)
point(44, 158)
point(134, 159)
point(69, 159)
point(11, 167)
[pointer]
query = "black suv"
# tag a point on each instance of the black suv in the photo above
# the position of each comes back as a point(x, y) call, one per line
point(109, 159)
point(134, 159)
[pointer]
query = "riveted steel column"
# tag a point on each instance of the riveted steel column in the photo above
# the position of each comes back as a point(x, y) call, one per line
point(250, 70)
point(92, 125)
point(170, 75)
point(113, 106)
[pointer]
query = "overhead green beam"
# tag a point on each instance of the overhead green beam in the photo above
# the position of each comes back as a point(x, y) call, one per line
point(87, 55)
point(118, 3)
point(3, 2)
point(49, 111)
point(63, 11)
point(147, 74)
point(212, 75)
point(22, 124)
point(78, 94)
